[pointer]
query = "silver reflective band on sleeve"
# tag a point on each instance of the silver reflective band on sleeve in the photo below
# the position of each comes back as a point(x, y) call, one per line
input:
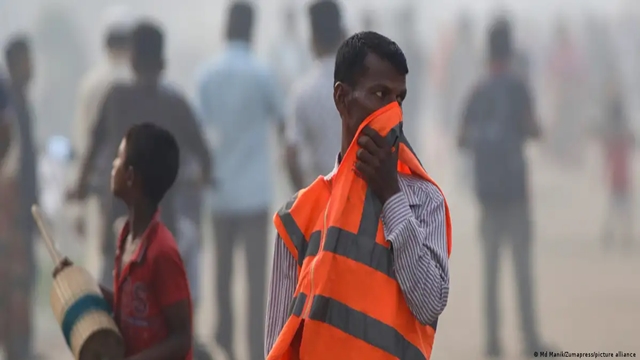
point(363, 327)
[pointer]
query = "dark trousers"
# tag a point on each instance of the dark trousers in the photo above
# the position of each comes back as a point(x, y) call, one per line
point(230, 231)
point(17, 274)
point(508, 225)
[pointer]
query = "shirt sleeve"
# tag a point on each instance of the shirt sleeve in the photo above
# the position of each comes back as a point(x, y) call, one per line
point(170, 278)
point(418, 236)
point(284, 277)
point(296, 123)
point(274, 100)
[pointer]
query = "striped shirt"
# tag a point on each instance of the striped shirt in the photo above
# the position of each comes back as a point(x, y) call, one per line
point(415, 224)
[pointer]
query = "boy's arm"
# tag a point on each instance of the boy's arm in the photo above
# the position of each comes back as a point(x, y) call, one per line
point(178, 344)
point(171, 289)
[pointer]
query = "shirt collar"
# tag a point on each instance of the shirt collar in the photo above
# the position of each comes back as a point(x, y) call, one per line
point(335, 168)
point(124, 233)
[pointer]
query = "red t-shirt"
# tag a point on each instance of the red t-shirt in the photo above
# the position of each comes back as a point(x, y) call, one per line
point(154, 279)
point(618, 155)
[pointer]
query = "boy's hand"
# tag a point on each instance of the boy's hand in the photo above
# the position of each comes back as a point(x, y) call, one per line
point(65, 263)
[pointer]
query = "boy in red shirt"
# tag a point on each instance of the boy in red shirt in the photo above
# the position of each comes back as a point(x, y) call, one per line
point(618, 141)
point(151, 300)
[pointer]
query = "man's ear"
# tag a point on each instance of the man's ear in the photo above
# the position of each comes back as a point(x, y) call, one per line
point(340, 96)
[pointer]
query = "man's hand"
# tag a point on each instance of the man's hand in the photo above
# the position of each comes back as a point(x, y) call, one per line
point(377, 164)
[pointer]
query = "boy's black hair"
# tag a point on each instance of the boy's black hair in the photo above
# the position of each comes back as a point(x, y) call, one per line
point(500, 46)
point(326, 24)
point(153, 153)
point(147, 45)
point(350, 60)
point(240, 22)
point(18, 46)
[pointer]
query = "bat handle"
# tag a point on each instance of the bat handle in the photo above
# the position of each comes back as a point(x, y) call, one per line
point(44, 231)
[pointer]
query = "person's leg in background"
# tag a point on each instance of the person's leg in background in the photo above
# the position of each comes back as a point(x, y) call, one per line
point(189, 235)
point(624, 201)
point(254, 235)
point(492, 232)
point(226, 229)
point(19, 337)
point(188, 207)
point(520, 237)
point(609, 225)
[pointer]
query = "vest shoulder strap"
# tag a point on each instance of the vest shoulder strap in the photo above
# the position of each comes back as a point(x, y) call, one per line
point(296, 221)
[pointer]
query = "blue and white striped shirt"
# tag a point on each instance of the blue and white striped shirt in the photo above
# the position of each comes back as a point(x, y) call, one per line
point(414, 222)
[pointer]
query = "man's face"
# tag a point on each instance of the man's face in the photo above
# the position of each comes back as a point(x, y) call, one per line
point(380, 85)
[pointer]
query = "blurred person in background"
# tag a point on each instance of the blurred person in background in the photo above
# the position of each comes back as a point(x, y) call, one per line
point(144, 100)
point(62, 58)
point(567, 78)
point(415, 50)
point(462, 71)
point(239, 100)
point(369, 22)
point(499, 119)
point(290, 57)
point(96, 84)
point(315, 127)
point(600, 58)
point(618, 141)
point(17, 247)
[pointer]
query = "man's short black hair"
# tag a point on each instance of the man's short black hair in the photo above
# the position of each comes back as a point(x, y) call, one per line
point(326, 24)
point(153, 153)
point(117, 40)
point(17, 47)
point(147, 46)
point(500, 46)
point(240, 22)
point(350, 60)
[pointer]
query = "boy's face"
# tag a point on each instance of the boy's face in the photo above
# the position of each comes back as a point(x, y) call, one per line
point(121, 174)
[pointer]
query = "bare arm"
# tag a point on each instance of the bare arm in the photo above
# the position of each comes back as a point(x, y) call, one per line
point(190, 135)
point(97, 139)
point(178, 343)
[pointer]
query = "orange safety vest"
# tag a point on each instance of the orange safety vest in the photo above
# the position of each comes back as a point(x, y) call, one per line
point(348, 303)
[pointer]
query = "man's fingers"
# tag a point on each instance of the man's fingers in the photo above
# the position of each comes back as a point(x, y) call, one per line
point(365, 171)
point(369, 145)
point(377, 138)
point(366, 157)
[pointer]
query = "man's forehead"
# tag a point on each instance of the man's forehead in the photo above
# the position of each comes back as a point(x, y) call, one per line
point(378, 69)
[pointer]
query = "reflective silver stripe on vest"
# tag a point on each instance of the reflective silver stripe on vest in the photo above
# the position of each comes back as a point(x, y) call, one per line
point(363, 327)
